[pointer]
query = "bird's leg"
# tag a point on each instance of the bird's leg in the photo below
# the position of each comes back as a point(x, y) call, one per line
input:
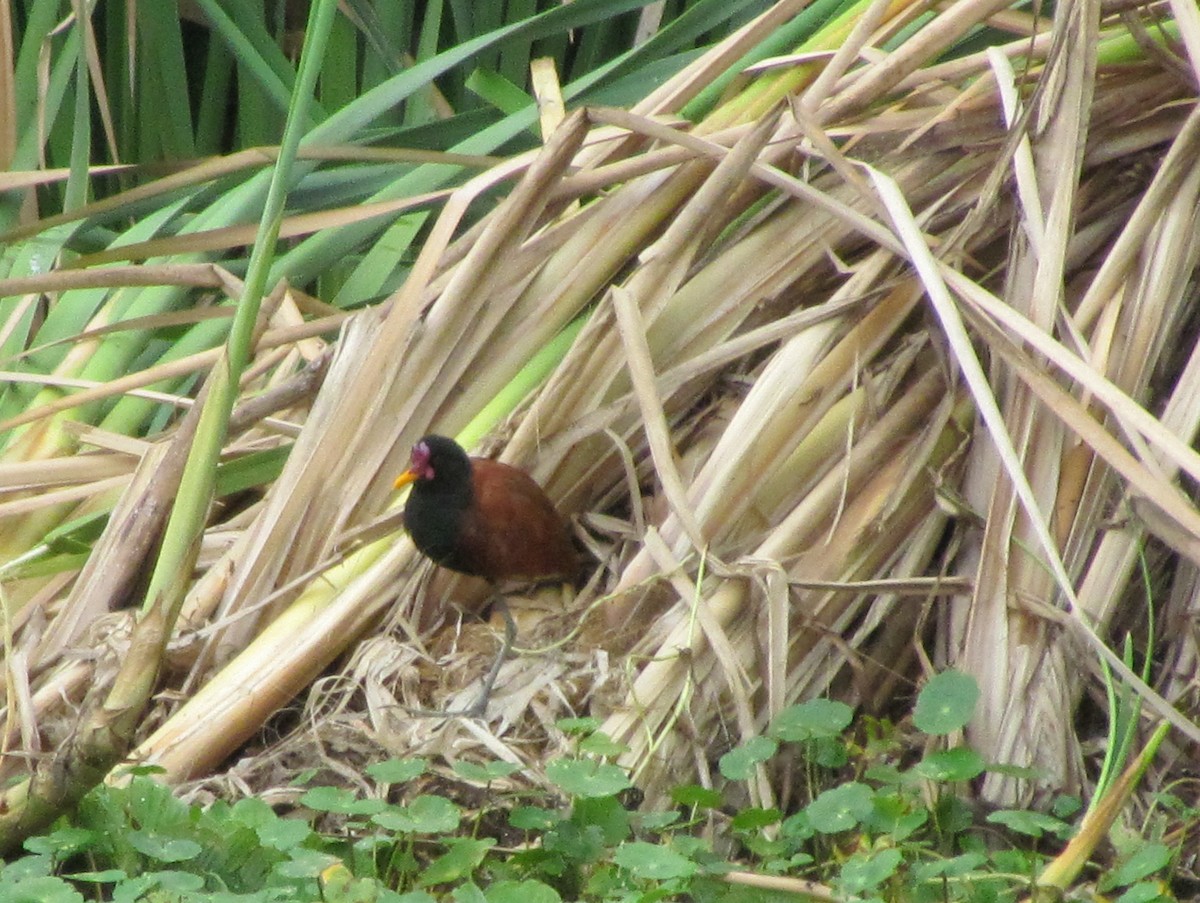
point(479, 706)
point(510, 636)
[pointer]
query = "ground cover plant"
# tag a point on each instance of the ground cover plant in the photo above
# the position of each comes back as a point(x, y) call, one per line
point(856, 338)
point(875, 824)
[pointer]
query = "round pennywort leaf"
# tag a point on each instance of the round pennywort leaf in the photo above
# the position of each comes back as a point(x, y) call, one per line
point(946, 703)
point(587, 777)
point(958, 764)
point(841, 808)
point(426, 814)
point(739, 763)
point(397, 771)
point(652, 860)
point(811, 720)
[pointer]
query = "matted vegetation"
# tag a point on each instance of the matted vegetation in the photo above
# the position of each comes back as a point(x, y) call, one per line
point(859, 347)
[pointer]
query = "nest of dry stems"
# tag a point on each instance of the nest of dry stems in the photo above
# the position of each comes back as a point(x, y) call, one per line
point(770, 426)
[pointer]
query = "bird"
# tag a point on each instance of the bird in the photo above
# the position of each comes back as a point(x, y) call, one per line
point(486, 519)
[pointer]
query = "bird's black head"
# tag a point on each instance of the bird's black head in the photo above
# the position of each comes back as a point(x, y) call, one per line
point(440, 474)
point(437, 464)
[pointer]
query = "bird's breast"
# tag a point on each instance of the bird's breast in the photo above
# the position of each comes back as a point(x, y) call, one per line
point(436, 529)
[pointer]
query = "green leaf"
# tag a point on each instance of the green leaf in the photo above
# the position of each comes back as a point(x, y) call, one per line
point(946, 703)
point(958, 764)
point(753, 818)
point(1033, 824)
point(1065, 805)
point(886, 773)
point(462, 858)
point(338, 885)
point(577, 725)
point(654, 861)
point(654, 821)
point(175, 882)
point(797, 828)
point(587, 777)
point(829, 752)
point(700, 852)
point(485, 774)
point(894, 814)
point(305, 863)
point(955, 867)
point(341, 802)
point(1148, 859)
point(468, 892)
point(250, 470)
point(865, 871)
point(600, 744)
point(577, 844)
point(397, 771)
point(1146, 892)
point(45, 889)
point(604, 813)
point(522, 892)
point(63, 842)
point(413, 896)
point(284, 833)
point(269, 829)
point(841, 808)
point(161, 848)
point(952, 814)
point(740, 762)
point(110, 876)
point(695, 795)
point(25, 869)
point(498, 91)
point(781, 866)
point(153, 806)
point(424, 815)
point(251, 812)
point(533, 818)
point(810, 720)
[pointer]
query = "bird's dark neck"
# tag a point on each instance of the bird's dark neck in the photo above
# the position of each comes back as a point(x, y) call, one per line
point(434, 517)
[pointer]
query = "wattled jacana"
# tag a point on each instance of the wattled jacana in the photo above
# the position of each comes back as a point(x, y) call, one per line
point(486, 519)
